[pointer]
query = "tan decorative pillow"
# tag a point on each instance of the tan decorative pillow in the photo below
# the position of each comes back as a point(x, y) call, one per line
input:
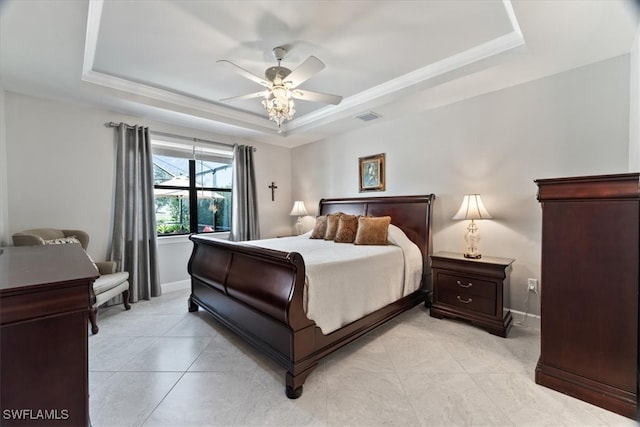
point(332, 225)
point(372, 230)
point(347, 228)
point(320, 229)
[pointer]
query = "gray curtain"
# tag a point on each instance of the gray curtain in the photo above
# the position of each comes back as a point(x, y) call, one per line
point(134, 246)
point(244, 207)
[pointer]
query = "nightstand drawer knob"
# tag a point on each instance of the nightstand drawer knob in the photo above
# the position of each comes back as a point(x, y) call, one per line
point(462, 285)
point(465, 301)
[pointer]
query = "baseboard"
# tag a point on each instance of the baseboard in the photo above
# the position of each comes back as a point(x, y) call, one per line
point(532, 320)
point(621, 401)
point(176, 286)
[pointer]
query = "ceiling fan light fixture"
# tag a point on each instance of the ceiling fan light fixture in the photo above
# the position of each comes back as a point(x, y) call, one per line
point(280, 92)
point(279, 106)
point(282, 86)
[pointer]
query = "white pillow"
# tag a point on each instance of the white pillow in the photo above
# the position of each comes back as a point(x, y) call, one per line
point(62, 241)
point(396, 236)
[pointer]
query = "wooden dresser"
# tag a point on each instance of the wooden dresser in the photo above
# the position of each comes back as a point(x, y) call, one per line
point(590, 284)
point(45, 296)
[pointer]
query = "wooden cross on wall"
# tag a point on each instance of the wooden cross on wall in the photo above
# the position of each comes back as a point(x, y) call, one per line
point(273, 187)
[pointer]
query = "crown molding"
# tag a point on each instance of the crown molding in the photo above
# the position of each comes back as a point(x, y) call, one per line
point(504, 43)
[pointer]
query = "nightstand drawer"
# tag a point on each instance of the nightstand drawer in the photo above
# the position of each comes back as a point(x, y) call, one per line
point(467, 301)
point(467, 285)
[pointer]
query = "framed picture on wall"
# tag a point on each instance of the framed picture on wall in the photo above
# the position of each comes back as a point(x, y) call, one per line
point(372, 173)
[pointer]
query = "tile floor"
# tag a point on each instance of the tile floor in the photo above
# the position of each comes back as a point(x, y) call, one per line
point(159, 365)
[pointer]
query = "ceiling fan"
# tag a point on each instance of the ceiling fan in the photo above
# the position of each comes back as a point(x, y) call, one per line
point(282, 87)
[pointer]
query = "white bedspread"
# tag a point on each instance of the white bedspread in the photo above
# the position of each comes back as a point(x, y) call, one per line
point(345, 282)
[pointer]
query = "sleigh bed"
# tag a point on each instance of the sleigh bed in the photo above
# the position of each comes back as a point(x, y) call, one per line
point(260, 294)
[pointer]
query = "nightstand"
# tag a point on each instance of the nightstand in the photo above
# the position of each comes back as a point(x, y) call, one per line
point(475, 290)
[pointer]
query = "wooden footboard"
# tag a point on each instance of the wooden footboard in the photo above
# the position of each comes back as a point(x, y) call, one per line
point(258, 293)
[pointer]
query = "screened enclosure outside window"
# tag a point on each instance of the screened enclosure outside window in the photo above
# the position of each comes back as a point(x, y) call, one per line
point(192, 195)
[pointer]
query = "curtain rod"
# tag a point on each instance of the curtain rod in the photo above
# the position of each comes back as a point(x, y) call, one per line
point(172, 135)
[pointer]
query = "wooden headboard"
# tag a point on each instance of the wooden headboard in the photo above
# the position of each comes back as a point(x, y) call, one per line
point(412, 214)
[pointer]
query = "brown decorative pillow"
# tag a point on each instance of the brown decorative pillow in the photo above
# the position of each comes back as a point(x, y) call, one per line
point(332, 225)
point(320, 229)
point(347, 228)
point(372, 230)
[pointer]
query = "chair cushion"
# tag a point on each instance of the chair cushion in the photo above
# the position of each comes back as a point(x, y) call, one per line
point(109, 281)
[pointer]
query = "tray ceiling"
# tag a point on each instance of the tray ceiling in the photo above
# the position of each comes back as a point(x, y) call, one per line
point(158, 58)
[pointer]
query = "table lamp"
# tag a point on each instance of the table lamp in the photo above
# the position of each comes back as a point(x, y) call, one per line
point(472, 208)
point(298, 210)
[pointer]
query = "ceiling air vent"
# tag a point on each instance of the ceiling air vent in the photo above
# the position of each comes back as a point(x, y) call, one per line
point(368, 116)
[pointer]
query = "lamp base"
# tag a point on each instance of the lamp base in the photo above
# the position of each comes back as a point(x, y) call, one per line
point(472, 237)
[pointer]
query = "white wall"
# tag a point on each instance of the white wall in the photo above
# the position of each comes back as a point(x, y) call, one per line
point(574, 123)
point(60, 167)
point(4, 197)
point(60, 160)
point(60, 171)
point(634, 106)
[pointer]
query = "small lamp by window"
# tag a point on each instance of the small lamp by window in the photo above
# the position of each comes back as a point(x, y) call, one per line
point(472, 208)
point(298, 210)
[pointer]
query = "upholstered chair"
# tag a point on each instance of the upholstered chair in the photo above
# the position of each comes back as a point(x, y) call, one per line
point(108, 285)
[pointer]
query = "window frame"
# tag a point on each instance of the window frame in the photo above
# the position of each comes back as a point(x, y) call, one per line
point(176, 150)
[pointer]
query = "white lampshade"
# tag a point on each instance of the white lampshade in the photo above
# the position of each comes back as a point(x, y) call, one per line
point(472, 208)
point(298, 209)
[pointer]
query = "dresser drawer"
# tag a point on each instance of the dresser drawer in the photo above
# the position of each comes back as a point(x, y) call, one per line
point(467, 301)
point(467, 285)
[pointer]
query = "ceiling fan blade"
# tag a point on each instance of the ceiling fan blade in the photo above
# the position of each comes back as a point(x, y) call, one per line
point(245, 73)
point(308, 68)
point(307, 95)
point(248, 96)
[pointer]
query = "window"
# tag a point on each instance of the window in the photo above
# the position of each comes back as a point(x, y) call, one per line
point(192, 189)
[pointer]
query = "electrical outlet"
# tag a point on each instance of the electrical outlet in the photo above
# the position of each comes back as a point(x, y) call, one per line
point(532, 285)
